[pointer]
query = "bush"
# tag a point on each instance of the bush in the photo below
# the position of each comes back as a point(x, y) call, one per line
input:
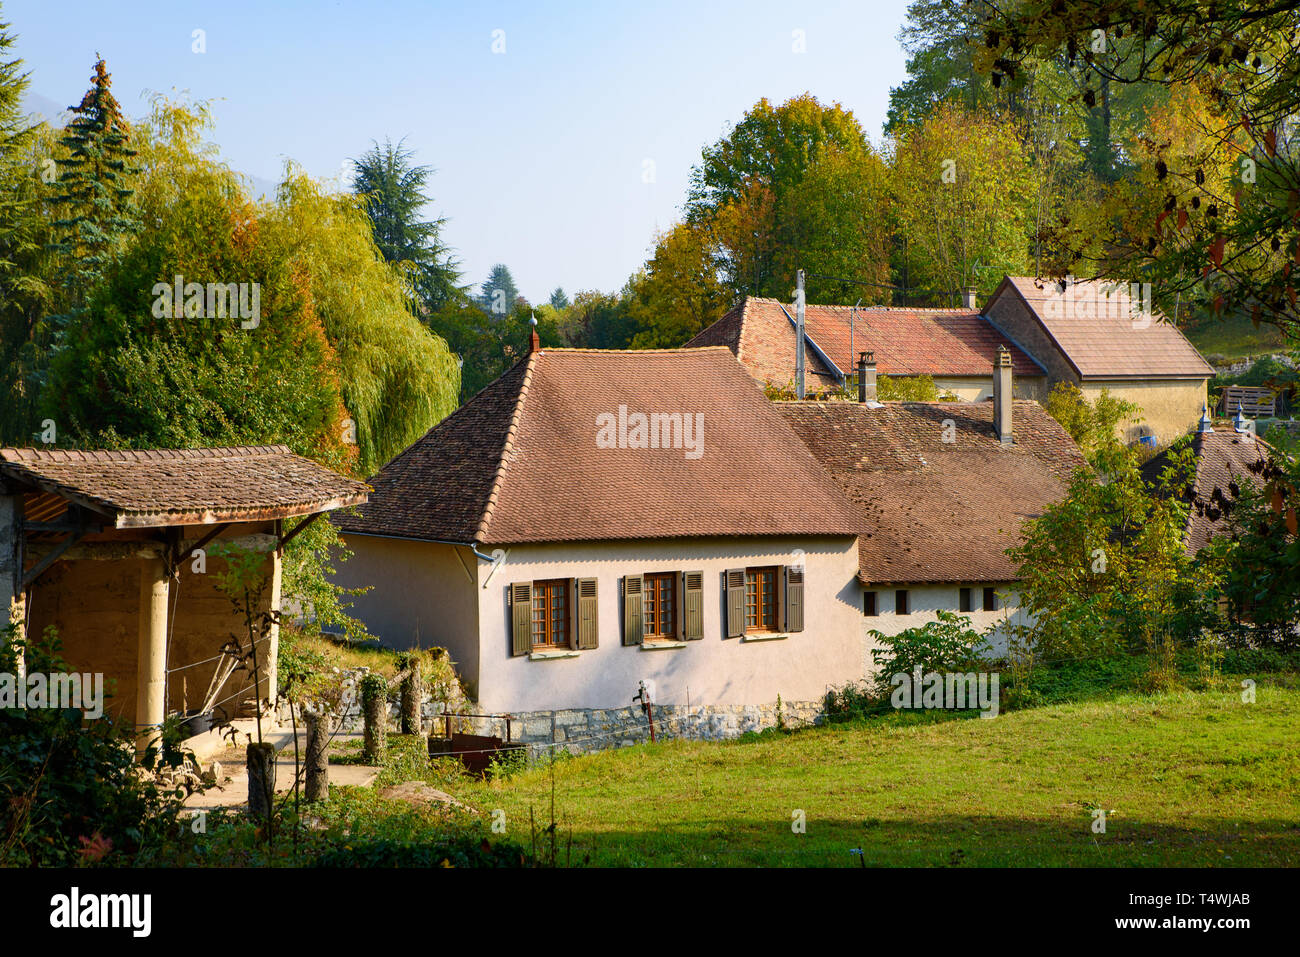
point(70, 788)
point(946, 644)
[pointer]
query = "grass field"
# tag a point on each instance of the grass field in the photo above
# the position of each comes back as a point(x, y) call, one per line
point(1186, 778)
point(1235, 338)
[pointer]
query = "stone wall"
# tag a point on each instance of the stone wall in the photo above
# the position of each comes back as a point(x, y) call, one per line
point(581, 730)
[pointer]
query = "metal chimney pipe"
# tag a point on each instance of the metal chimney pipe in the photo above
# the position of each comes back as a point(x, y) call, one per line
point(798, 333)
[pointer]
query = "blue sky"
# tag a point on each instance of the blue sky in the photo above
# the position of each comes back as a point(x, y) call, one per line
point(541, 151)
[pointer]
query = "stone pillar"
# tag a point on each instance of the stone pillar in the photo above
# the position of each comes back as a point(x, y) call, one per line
point(271, 660)
point(13, 599)
point(151, 670)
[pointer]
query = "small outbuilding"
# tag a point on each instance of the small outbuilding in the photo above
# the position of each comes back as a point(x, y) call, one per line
point(110, 548)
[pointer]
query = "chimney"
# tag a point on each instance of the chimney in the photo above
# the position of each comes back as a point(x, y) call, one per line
point(1002, 395)
point(534, 343)
point(969, 294)
point(866, 377)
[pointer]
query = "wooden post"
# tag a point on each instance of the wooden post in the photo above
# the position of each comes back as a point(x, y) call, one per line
point(318, 762)
point(411, 693)
point(151, 662)
point(260, 761)
point(374, 708)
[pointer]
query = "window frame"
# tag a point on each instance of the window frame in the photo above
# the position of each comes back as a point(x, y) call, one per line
point(990, 598)
point(650, 605)
point(965, 599)
point(870, 597)
point(902, 602)
point(761, 611)
point(544, 589)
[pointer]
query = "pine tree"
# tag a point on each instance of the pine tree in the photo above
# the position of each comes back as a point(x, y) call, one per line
point(95, 200)
point(499, 293)
point(559, 299)
point(14, 134)
point(394, 190)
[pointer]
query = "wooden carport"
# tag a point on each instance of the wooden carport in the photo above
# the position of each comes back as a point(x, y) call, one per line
point(98, 544)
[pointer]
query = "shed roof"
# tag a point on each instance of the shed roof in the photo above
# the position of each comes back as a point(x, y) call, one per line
point(161, 487)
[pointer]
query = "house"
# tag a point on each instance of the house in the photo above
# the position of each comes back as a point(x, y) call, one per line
point(1222, 458)
point(955, 347)
point(110, 548)
point(941, 490)
point(595, 521)
point(1098, 335)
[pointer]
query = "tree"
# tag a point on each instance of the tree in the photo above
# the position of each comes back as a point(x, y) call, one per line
point(96, 214)
point(395, 193)
point(499, 292)
point(741, 190)
point(678, 293)
point(1092, 425)
point(1233, 248)
point(960, 186)
point(559, 300)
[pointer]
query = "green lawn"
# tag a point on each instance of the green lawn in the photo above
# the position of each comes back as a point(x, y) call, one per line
point(1235, 337)
point(1187, 778)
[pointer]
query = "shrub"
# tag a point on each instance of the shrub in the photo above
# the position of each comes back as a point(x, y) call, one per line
point(946, 644)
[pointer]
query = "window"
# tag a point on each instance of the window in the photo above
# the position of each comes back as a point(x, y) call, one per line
point(990, 599)
point(658, 606)
point(900, 602)
point(760, 599)
point(869, 603)
point(551, 614)
point(966, 604)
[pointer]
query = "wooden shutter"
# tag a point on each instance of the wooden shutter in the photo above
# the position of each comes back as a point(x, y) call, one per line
point(633, 622)
point(735, 602)
point(521, 607)
point(692, 605)
point(586, 613)
point(793, 598)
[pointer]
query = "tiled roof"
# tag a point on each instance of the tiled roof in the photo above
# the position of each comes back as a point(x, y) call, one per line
point(1096, 327)
point(157, 487)
point(933, 511)
point(521, 461)
point(1223, 458)
point(761, 337)
point(935, 342)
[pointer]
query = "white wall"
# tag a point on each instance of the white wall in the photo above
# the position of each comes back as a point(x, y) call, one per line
point(714, 670)
point(925, 600)
point(420, 595)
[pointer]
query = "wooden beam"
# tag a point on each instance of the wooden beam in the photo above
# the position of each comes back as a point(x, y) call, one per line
point(54, 555)
point(286, 539)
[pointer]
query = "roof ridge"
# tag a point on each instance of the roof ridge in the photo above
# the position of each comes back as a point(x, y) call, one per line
point(572, 350)
point(507, 447)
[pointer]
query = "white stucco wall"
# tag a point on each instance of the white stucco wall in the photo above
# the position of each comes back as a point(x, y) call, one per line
point(979, 388)
point(421, 595)
point(1170, 407)
point(713, 671)
point(925, 600)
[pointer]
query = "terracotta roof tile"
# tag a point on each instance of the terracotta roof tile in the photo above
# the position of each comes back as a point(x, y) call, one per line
point(1222, 458)
point(935, 511)
point(521, 462)
point(1097, 327)
point(935, 342)
point(155, 487)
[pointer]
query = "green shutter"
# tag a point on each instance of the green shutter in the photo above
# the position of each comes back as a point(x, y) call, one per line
point(521, 606)
point(586, 617)
point(692, 605)
point(735, 602)
point(793, 598)
point(633, 622)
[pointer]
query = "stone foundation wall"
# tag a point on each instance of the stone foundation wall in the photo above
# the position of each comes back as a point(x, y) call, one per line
point(583, 730)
